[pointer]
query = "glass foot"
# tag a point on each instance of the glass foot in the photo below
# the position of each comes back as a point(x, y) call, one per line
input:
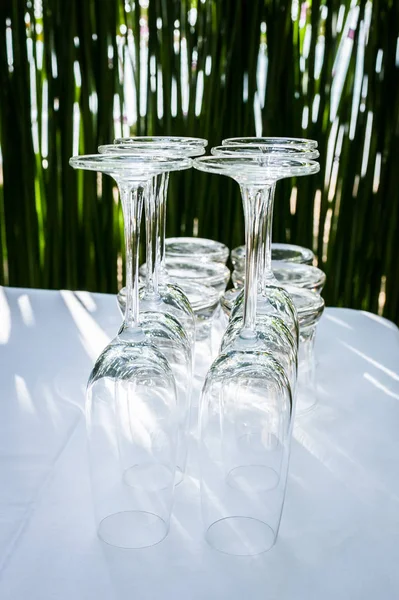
point(240, 536)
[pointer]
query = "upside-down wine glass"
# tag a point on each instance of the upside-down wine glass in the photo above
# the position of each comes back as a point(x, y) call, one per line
point(161, 319)
point(132, 408)
point(174, 299)
point(276, 310)
point(246, 403)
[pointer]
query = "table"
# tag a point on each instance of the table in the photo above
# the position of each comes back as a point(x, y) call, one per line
point(339, 536)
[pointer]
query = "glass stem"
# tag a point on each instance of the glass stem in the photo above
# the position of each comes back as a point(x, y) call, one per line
point(152, 229)
point(254, 202)
point(162, 195)
point(268, 227)
point(132, 195)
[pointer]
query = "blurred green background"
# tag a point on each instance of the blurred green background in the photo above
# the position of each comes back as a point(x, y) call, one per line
point(76, 74)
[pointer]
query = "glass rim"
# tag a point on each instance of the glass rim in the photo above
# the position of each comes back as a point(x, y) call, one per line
point(304, 142)
point(279, 151)
point(126, 163)
point(154, 150)
point(162, 139)
point(252, 166)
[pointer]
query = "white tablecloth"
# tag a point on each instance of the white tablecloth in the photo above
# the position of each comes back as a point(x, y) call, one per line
point(339, 536)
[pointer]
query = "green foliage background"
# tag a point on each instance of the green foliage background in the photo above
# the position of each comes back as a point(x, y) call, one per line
point(75, 74)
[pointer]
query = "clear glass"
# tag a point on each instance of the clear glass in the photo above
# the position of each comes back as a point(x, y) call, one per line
point(163, 321)
point(304, 276)
point(196, 248)
point(211, 274)
point(282, 252)
point(204, 301)
point(171, 298)
point(310, 307)
point(132, 408)
point(246, 404)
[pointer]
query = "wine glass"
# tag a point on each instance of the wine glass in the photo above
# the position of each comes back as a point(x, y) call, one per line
point(163, 320)
point(273, 299)
point(132, 407)
point(246, 403)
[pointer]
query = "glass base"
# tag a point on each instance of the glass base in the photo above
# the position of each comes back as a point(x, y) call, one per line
point(240, 536)
point(132, 529)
